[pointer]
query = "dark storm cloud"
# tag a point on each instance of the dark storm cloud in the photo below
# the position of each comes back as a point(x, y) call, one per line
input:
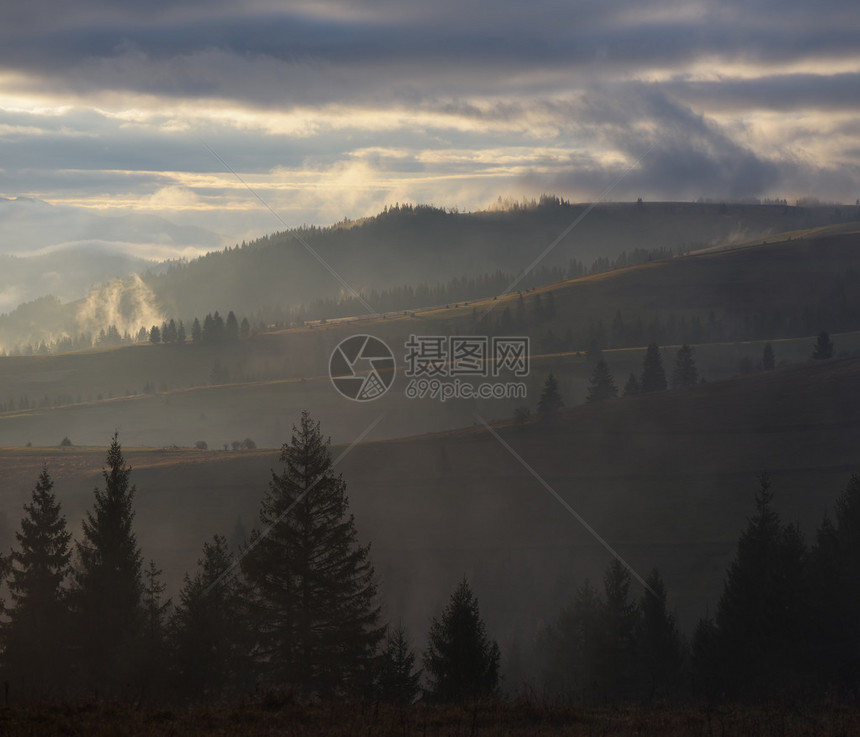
point(381, 89)
point(774, 92)
point(291, 57)
point(680, 154)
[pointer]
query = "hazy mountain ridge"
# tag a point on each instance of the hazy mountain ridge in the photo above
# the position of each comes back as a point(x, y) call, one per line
point(413, 245)
point(63, 252)
point(271, 277)
point(178, 394)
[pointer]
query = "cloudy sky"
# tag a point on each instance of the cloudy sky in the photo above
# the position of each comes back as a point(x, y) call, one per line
point(330, 109)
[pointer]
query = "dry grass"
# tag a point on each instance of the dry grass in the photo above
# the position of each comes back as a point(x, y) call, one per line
point(517, 718)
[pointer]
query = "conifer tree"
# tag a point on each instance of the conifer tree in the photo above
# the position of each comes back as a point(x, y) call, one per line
point(108, 586)
point(169, 332)
point(550, 400)
point(570, 647)
point(685, 374)
point(823, 347)
point(602, 383)
point(217, 328)
point(658, 644)
point(762, 613)
point(835, 592)
point(461, 661)
point(314, 583)
point(196, 331)
point(653, 376)
point(231, 328)
point(153, 668)
point(35, 654)
point(207, 334)
point(631, 388)
point(399, 681)
point(209, 636)
point(615, 667)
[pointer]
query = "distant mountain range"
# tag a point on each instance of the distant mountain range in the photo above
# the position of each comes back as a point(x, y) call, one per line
point(62, 251)
point(273, 276)
point(412, 245)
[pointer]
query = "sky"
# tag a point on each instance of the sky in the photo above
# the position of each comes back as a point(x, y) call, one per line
point(242, 118)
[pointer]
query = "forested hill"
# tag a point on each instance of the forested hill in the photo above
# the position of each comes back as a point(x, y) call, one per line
point(407, 257)
point(408, 245)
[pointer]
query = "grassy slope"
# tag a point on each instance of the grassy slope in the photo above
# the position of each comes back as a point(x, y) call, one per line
point(521, 718)
point(667, 479)
point(273, 375)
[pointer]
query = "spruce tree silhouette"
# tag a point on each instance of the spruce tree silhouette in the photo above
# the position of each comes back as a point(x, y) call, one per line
point(685, 374)
point(108, 586)
point(34, 637)
point(461, 661)
point(550, 400)
point(653, 376)
point(313, 584)
point(602, 385)
point(823, 348)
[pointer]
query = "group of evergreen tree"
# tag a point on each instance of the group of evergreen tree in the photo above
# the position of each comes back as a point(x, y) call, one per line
point(653, 375)
point(170, 332)
point(295, 608)
point(602, 383)
point(466, 288)
point(215, 329)
point(611, 647)
point(788, 621)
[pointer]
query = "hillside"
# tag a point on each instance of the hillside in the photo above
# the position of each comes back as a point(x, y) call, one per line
point(726, 303)
point(668, 479)
point(413, 245)
point(402, 249)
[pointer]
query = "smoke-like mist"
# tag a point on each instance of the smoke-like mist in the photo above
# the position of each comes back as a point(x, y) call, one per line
point(127, 303)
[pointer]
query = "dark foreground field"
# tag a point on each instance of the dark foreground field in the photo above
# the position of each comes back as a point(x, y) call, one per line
point(273, 716)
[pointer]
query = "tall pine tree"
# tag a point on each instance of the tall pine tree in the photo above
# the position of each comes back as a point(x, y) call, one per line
point(209, 636)
point(570, 648)
point(685, 374)
point(108, 585)
point(153, 669)
point(653, 377)
point(398, 680)
point(615, 669)
point(762, 614)
point(823, 348)
point(461, 660)
point(35, 655)
point(550, 400)
point(658, 644)
point(834, 579)
point(314, 583)
point(602, 383)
